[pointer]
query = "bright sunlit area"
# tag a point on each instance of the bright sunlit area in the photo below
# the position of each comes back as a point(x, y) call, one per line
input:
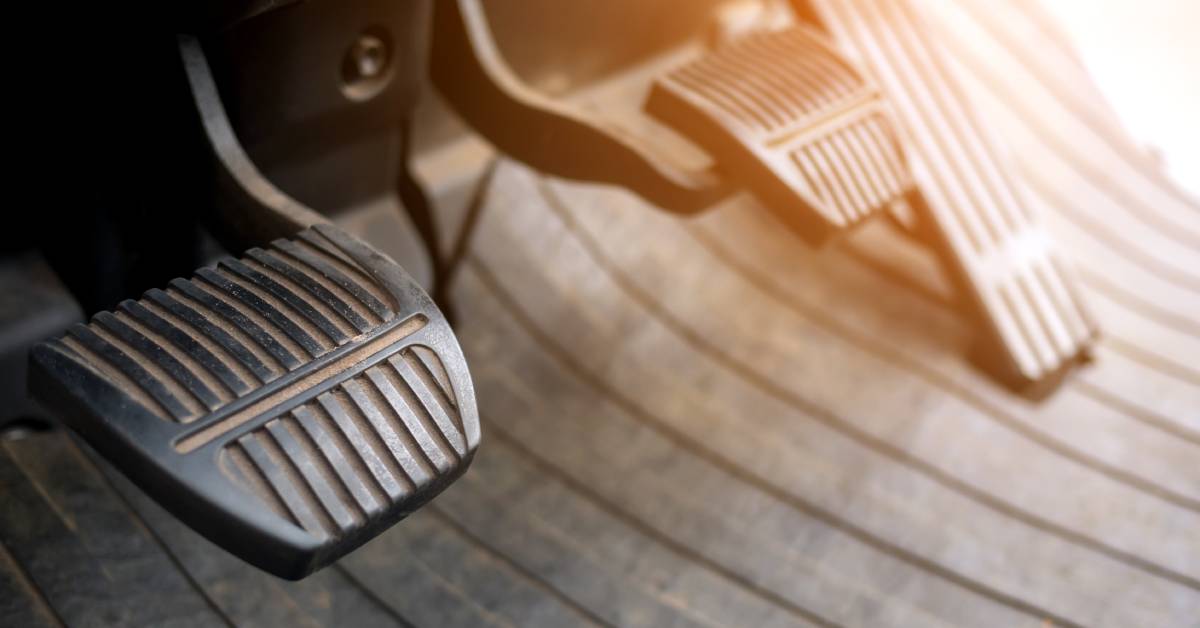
point(1145, 56)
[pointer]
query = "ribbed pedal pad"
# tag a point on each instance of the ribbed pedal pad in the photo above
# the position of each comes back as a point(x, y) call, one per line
point(289, 405)
point(1030, 298)
point(1034, 319)
point(791, 120)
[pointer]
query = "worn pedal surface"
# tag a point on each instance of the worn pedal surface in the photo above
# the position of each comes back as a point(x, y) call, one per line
point(792, 121)
point(289, 405)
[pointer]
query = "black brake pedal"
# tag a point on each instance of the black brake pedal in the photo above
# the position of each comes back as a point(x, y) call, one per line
point(794, 123)
point(780, 114)
point(288, 405)
point(784, 114)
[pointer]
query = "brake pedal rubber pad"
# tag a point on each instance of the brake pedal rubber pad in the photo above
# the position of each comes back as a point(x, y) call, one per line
point(289, 405)
point(794, 122)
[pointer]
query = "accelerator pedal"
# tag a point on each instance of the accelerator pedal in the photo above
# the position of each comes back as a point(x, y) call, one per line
point(1035, 326)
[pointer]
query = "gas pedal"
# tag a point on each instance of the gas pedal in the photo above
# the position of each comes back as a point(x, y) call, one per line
point(289, 405)
point(973, 212)
point(792, 121)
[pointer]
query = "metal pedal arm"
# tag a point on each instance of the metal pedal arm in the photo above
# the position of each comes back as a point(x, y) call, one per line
point(468, 68)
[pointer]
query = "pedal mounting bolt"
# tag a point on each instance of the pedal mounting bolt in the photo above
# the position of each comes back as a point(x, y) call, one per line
point(366, 66)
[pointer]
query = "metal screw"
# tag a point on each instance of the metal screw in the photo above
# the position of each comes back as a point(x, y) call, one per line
point(365, 66)
point(368, 56)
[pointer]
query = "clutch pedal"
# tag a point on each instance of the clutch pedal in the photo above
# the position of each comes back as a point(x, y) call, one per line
point(290, 404)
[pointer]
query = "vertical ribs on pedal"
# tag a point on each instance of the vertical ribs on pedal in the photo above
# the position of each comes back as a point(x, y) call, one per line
point(289, 405)
point(1024, 296)
point(787, 117)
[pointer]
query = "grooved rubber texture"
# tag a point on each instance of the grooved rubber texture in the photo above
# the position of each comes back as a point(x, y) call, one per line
point(289, 405)
point(792, 120)
point(1037, 325)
